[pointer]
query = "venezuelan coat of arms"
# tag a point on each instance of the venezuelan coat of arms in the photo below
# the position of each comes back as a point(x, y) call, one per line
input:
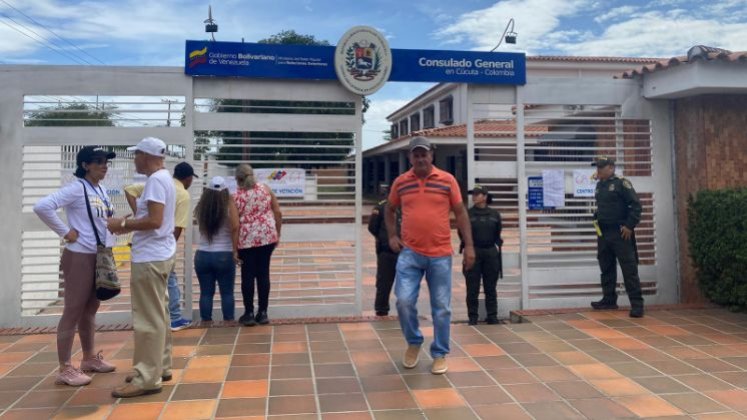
point(363, 60)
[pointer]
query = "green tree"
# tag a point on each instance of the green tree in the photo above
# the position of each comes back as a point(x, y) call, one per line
point(73, 114)
point(291, 37)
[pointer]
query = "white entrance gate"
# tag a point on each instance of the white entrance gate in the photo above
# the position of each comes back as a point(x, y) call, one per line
point(316, 268)
point(513, 133)
point(555, 123)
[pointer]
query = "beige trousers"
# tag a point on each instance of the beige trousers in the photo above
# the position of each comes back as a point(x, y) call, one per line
point(151, 321)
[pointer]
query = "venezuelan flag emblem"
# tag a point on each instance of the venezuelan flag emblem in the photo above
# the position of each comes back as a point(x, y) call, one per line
point(276, 175)
point(197, 57)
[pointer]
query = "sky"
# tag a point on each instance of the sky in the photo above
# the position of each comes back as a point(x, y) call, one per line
point(152, 33)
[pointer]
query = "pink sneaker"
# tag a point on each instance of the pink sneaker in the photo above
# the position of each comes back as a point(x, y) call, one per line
point(97, 364)
point(72, 376)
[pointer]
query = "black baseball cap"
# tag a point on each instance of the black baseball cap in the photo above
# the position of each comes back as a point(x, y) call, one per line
point(420, 142)
point(479, 189)
point(602, 161)
point(183, 170)
point(89, 153)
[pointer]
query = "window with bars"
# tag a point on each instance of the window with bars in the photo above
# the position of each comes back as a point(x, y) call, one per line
point(103, 111)
point(429, 119)
point(446, 110)
point(263, 106)
point(415, 122)
point(403, 128)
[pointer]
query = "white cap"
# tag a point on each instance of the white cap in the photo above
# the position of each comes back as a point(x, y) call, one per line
point(151, 146)
point(218, 183)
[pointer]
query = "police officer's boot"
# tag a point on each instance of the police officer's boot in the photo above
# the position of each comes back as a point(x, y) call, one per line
point(261, 318)
point(636, 312)
point(604, 304)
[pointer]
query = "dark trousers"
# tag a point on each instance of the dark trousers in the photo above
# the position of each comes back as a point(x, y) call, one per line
point(487, 267)
point(386, 268)
point(611, 247)
point(255, 264)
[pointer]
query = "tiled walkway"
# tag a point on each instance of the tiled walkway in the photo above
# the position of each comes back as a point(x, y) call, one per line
point(673, 364)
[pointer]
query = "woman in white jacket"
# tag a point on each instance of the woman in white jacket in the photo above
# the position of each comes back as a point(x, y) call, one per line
point(79, 259)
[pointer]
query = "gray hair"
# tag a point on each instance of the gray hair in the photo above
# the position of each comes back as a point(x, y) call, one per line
point(245, 176)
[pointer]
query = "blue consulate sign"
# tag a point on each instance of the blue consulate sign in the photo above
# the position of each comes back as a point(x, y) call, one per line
point(236, 59)
point(259, 60)
point(458, 67)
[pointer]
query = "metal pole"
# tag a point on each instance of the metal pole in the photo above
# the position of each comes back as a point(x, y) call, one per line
point(358, 209)
point(189, 232)
point(522, 196)
point(470, 145)
point(168, 112)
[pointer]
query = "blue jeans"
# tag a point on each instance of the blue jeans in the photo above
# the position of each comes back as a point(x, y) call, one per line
point(212, 267)
point(410, 269)
point(175, 309)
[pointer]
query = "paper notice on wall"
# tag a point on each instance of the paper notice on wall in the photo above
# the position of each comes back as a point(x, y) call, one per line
point(553, 188)
point(584, 182)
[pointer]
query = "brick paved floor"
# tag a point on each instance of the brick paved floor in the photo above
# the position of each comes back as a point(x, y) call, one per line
point(687, 364)
point(282, 287)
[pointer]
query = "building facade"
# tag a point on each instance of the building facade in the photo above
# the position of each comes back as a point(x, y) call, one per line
point(678, 128)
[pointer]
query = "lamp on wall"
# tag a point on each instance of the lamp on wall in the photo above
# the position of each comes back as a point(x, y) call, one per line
point(508, 34)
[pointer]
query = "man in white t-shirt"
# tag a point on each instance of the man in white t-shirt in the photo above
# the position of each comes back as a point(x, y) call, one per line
point(183, 176)
point(153, 251)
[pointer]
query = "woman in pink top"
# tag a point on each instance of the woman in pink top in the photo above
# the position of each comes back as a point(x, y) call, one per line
point(259, 232)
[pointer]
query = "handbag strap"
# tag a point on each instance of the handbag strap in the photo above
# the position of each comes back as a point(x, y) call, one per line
point(90, 215)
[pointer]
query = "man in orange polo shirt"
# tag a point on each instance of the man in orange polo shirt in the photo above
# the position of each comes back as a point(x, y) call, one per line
point(426, 195)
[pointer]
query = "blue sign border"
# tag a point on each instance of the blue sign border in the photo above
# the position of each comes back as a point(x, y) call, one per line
point(279, 61)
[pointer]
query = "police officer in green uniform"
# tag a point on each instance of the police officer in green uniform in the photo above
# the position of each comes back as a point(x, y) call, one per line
point(618, 212)
point(386, 259)
point(486, 235)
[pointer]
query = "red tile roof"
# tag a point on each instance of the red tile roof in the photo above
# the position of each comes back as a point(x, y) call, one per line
point(600, 59)
point(491, 128)
point(694, 54)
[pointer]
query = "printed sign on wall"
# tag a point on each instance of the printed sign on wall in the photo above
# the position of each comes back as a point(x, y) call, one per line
point(284, 182)
point(534, 194)
point(584, 182)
